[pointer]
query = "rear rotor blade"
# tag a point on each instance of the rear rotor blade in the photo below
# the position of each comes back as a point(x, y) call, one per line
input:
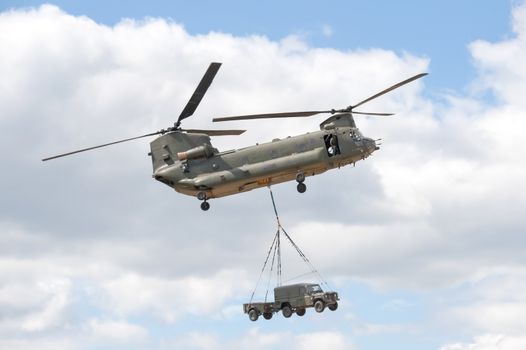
point(104, 145)
point(395, 86)
point(199, 92)
point(215, 132)
point(270, 116)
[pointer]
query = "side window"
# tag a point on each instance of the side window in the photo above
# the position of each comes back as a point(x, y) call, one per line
point(331, 145)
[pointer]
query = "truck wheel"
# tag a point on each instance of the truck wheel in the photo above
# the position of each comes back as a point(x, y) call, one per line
point(267, 315)
point(286, 311)
point(319, 306)
point(333, 307)
point(253, 315)
point(300, 312)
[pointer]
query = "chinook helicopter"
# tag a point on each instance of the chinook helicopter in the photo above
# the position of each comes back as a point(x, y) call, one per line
point(185, 159)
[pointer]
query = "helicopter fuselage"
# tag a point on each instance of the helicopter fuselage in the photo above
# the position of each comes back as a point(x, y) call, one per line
point(185, 159)
point(189, 164)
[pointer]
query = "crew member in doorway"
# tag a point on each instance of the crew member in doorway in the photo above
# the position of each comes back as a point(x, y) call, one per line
point(331, 143)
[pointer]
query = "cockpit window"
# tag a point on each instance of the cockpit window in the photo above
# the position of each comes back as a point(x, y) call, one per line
point(356, 135)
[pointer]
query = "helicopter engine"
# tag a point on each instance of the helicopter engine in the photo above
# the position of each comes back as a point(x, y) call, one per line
point(203, 151)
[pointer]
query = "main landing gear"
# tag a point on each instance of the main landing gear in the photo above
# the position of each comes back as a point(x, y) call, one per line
point(202, 197)
point(300, 178)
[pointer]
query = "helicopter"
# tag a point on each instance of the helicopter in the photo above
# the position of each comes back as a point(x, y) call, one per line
point(185, 159)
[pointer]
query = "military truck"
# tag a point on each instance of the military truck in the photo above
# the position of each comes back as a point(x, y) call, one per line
point(293, 298)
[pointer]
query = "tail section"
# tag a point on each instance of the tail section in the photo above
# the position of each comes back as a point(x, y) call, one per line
point(165, 149)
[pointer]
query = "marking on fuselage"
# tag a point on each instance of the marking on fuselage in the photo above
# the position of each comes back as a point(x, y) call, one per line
point(264, 181)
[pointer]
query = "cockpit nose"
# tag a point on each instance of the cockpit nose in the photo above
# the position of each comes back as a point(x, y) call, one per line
point(370, 145)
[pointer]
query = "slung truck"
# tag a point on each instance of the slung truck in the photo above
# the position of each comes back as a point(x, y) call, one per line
point(293, 298)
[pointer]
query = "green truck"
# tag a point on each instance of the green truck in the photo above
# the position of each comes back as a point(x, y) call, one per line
point(293, 298)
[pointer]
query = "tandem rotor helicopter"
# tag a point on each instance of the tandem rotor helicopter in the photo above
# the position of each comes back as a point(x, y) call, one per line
point(185, 159)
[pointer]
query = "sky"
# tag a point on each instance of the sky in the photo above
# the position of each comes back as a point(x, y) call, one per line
point(424, 241)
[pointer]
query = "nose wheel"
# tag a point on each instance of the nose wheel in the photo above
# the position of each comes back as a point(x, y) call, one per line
point(202, 197)
point(300, 178)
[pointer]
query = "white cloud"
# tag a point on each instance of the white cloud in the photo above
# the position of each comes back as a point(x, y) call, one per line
point(362, 328)
point(48, 343)
point(439, 206)
point(117, 331)
point(501, 63)
point(52, 314)
point(253, 338)
point(490, 342)
point(504, 316)
point(171, 299)
point(323, 340)
point(496, 303)
point(34, 306)
point(257, 339)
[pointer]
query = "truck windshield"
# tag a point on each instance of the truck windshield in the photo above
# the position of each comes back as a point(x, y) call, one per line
point(315, 289)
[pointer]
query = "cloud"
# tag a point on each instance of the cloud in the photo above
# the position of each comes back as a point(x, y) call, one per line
point(435, 209)
point(496, 303)
point(117, 331)
point(489, 342)
point(256, 338)
point(34, 305)
point(317, 340)
point(48, 343)
point(171, 299)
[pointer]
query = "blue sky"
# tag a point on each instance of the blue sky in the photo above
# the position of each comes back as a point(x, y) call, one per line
point(439, 30)
point(425, 238)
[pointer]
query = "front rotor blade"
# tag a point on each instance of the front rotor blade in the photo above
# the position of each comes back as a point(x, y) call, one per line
point(104, 145)
point(215, 132)
point(380, 114)
point(199, 92)
point(395, 86)
point(270, 116)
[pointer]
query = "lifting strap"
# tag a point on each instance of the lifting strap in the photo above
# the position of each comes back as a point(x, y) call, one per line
point(275, 250)
point(263, 269)
point(301, 254)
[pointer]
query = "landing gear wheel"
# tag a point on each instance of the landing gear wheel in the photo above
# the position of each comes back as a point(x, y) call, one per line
point(301, 187)
point(300, 177)
point(319, 306)
point(205, 206)
point(267, 315)
point(300, 311)
point(286, 311)
point(253, 315)
point(333, 307)
point(201, 195)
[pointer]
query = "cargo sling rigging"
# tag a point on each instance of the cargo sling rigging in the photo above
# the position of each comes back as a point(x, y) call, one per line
point(275, 251)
